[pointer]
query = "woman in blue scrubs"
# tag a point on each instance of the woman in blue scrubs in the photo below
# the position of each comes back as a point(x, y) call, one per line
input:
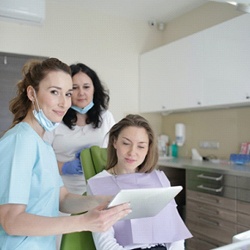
point(31, 189)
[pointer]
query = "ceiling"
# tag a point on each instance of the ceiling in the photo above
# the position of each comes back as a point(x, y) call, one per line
point(141, 10)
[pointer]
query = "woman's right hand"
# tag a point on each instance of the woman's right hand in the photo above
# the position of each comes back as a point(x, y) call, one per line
point(100, 219)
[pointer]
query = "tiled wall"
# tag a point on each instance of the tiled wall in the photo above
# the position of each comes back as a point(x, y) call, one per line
point(229, 127)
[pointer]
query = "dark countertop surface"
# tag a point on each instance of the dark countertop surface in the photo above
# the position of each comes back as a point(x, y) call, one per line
point(220, 167)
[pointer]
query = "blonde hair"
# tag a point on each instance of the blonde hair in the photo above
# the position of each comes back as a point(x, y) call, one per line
point(131, 120)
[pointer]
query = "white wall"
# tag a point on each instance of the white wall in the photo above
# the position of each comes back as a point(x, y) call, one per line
point(203, 17)
point(110, 45)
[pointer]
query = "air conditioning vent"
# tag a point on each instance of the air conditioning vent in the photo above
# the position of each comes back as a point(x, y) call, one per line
point(28, 11)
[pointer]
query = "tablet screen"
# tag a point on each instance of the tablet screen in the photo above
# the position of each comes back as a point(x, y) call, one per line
point(145, 202)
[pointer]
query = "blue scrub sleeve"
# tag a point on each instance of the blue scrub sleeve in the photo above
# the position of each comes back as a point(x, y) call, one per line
point(18, 158)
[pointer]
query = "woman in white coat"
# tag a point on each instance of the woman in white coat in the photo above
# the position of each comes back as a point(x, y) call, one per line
point(85, 124)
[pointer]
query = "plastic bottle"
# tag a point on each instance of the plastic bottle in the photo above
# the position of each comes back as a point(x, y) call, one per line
point(174, 150)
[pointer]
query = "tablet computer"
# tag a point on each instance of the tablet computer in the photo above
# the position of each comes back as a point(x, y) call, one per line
point(145, 202)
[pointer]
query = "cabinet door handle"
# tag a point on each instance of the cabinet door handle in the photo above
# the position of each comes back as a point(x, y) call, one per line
point(202, 176)
point(207, 210)
point(211, 245)
point(209, 222)
point(216, 190)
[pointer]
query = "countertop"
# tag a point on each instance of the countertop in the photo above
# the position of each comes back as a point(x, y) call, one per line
point(221, 167)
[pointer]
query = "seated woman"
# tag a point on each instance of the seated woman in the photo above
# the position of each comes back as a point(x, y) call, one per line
point(132, 158)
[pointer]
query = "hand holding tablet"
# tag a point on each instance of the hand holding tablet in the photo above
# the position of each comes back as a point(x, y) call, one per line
point(145, 202)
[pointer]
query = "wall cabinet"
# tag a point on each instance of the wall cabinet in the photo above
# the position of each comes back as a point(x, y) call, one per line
point(171, 76)
point(207, 69)
point(226, 63)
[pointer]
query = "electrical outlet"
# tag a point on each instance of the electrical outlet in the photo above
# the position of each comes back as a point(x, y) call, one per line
point(209, 144)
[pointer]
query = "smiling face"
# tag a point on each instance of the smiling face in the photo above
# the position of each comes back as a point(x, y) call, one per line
point(83, 90)
point(54, 95)
point(131, 149)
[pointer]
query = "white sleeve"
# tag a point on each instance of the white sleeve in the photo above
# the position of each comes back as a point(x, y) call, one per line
point(110, 119)
point(177, 245)
point(49, 136)
point(108, 122)
point(106, 240)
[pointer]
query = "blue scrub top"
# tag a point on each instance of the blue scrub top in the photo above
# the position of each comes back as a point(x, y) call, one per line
point(30, 176)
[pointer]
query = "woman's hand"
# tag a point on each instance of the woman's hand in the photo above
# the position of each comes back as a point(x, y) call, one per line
point(72, 167)
point(100, 219)
point(16, 221)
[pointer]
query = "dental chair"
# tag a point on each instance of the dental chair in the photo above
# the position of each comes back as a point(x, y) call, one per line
point(93, 161)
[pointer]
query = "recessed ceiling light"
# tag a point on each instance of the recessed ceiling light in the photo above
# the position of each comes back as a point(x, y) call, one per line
point(233, 3)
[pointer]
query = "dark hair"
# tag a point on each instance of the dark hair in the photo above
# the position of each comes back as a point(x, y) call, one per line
point(151, 158)
point(100, 99)
point(34, 71)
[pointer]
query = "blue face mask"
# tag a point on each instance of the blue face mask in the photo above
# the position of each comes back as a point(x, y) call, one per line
point(83, 110)
point(47, 124)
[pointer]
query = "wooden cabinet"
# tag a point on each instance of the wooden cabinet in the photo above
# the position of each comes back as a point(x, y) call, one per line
point(210, 218)
point(243, 216)
point(206, 69)
point(211, 208)
point(217, 208)
point(243, 204)
point(177, 178)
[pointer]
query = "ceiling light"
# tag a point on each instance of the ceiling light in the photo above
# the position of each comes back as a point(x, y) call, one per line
point(243, 7)
point(233, 3)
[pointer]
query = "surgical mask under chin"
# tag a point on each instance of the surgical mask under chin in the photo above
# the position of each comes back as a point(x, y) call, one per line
point(47, 124)
point(83, 110)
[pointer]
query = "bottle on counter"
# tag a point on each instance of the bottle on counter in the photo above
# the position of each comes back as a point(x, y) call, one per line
point(174, 149)
point(163, 145)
